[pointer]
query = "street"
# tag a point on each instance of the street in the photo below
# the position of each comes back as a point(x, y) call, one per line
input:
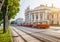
point(28, 34)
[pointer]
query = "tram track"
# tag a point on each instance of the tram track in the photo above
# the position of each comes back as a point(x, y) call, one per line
point(27, 34)
point(20, 36)
point(55, 36)
point(32, 36)
point(44, 35)
point(42, 39)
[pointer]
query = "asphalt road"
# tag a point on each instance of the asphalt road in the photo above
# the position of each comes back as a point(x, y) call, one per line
point(28, 34)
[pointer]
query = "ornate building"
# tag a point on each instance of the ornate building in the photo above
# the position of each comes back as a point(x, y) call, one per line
point(42, 15)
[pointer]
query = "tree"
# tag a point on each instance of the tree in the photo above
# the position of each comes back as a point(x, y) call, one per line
point(9, 9)
point(1, 16)
point(13, 8)
point(13, 22)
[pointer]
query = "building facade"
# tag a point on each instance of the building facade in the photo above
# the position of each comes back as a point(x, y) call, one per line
point(42, 15)
point(19, 21)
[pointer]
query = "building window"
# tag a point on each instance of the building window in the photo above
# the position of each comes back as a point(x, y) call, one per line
point(36, 16)
point(41, 16)
point(47, 17)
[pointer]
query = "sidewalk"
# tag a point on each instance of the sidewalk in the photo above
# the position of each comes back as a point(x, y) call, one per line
point(55, 27)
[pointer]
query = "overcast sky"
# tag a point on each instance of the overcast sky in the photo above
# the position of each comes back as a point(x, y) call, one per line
point(34, 3)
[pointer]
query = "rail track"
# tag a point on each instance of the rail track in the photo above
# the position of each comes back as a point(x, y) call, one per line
point(40, 39)
point(54, 39)
point(20, 36)
point(29, 35)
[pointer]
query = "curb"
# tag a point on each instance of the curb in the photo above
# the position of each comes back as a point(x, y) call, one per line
point(11, 35)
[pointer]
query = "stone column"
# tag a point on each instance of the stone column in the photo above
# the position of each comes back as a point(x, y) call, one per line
point(34, 17)
point(31, 18)
point(38, 17)
point(46, 17)
point(42, 18)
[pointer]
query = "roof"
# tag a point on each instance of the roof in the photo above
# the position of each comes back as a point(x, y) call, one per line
point(44, 7)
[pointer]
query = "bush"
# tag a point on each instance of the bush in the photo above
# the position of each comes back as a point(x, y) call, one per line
point(13, 22)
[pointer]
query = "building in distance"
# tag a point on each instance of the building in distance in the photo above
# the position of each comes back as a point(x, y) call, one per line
point(19, 21)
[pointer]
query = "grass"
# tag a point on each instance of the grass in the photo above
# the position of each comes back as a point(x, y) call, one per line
point(6, 36)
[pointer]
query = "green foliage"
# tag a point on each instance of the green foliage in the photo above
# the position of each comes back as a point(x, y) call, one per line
point(1, 22)
point(13, 22)
point(13, 8)
point(6, 36)
point(1, 16)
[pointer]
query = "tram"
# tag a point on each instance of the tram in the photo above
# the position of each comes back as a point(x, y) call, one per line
point(37, 25)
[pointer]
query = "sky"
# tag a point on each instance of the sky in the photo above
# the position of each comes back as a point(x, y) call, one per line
point(34, 3)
